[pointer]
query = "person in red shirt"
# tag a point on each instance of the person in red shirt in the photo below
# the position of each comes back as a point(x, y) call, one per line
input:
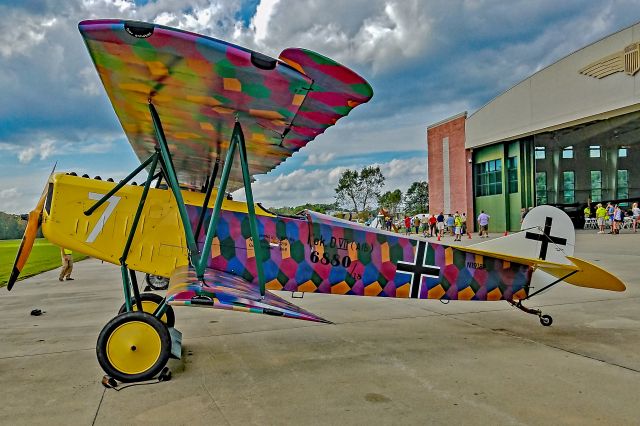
point(432, 225)
point(407, 224)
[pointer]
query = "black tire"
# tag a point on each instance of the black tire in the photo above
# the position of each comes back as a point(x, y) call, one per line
point(156, 282)
point(136, 341)
point(546, 320)
point(150, 302)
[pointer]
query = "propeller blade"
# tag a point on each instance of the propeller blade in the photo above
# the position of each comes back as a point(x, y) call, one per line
point(34, 221)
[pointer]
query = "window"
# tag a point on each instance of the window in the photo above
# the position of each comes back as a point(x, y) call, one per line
point(540, 153)
point(541, 188)
point(594, 151)
point(622, 151)
point(489, 178)
point(596, 185)
point(567, 152)
point(622, 184)
point(512, 174)
point(568, 187)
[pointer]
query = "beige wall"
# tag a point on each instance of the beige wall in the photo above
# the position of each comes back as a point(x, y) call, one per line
point(558, 96)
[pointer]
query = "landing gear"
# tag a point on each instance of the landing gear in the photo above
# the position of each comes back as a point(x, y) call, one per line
point(133, 347)
point(545, 320)
point(156, 282)
point(150, 303)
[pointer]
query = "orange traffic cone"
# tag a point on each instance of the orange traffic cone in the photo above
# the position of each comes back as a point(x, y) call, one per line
point(506, 232)
point(438, 237)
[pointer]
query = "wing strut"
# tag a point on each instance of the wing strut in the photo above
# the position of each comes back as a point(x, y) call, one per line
point(210, 184)
point(237, 142)
point(196, 258)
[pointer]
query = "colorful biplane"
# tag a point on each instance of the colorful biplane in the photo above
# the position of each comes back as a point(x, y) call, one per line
point(204, 117)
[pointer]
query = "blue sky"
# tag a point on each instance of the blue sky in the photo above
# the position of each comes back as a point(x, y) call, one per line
point(426, 60)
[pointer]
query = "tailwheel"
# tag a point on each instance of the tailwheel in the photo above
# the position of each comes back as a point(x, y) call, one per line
point(546, 320)
point(150, 302)
point(133, 346)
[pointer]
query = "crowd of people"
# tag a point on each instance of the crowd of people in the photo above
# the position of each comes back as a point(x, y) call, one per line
point(440, 225)
point(613, 217)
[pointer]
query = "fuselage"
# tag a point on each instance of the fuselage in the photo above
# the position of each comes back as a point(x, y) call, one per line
point(309, 253)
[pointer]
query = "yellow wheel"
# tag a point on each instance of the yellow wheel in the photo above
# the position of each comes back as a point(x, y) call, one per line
point(150, 301)
point(133, 346)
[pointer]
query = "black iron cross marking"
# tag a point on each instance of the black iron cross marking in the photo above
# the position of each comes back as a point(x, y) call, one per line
point(418, 269)
point(545, 238)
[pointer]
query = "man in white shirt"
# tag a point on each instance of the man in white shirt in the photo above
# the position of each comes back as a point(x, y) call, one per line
point(483, 222)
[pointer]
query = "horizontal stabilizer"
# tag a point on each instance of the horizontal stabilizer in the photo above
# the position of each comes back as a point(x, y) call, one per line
point(584, 274)
point(221, 290)
point(588, 275)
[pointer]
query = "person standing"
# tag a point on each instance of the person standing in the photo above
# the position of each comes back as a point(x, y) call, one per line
point(424, 225)
point(416, 223)
point(483, 223)
point(601, 217)
point(67, 264)
point(617, 219)
point(450, 224)
point(432, 225)
point(635, 211)
point(457, 223)
point(440, 225)
point(407, 224)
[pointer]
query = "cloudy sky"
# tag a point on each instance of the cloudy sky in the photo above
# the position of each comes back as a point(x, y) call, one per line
point(426, 60)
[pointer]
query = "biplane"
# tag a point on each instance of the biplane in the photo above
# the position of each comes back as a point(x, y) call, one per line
point(204, 117)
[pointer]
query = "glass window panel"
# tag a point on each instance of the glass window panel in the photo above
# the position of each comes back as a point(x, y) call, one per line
point(623, 184)
point(567, 152)
point(594, 151)
point(622, 151)
point(568, 180)
point(596, 179)
point(540, 153)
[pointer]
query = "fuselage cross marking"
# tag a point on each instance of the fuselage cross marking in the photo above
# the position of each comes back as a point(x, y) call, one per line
point(418, 269)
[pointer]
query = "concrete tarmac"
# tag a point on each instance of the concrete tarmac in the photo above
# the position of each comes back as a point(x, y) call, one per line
point(384, 361)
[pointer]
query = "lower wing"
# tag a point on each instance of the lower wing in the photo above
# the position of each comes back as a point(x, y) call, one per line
point(220, 290)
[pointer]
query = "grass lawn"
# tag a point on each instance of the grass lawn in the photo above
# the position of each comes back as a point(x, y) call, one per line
point(44, 257)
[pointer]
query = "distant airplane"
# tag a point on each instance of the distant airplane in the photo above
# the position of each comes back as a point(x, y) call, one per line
point(204, 117)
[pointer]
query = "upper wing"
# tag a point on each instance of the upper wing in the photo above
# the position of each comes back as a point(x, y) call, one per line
point(201, 85)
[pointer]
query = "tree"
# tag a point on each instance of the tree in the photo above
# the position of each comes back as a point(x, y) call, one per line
point(320, 208)
point(357, 190)
point(416, 199)
point(390, 201)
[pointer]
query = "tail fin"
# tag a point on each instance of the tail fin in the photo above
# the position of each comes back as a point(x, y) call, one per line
point(546, 233)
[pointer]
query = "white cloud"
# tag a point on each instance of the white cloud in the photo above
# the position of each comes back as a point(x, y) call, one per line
point(8, 193)
point(42, 150)
point(260, 21)
point(318, 185)
point(24, 37)
point(316, 159)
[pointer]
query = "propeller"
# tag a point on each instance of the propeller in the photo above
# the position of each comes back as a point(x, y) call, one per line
point(34, 220)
